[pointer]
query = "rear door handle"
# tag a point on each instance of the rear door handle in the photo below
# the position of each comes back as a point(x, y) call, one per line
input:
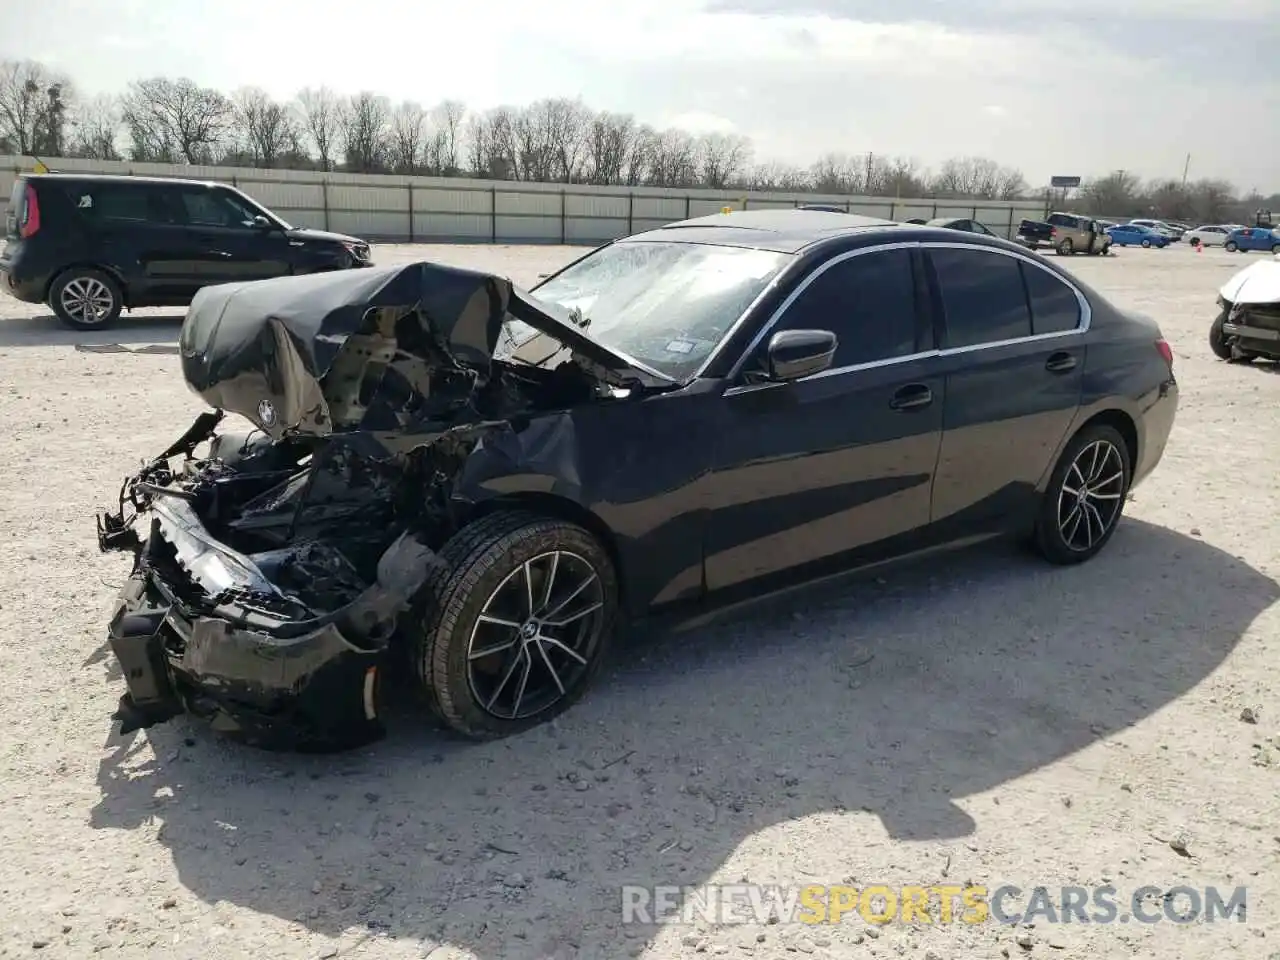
point(1060, 362)
point(911, 397)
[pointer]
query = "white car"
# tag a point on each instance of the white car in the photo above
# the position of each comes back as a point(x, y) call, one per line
point(1211, 235)
point(1248, 322)
point(1172, 234)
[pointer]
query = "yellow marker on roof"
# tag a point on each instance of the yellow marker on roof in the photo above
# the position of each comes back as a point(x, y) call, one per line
point(40, 167)
point(726, 209)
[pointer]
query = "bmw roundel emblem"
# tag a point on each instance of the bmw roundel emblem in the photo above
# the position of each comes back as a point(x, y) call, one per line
point(267, 413)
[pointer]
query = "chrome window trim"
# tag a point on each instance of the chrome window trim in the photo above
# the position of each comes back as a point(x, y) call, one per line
point(1086, 312)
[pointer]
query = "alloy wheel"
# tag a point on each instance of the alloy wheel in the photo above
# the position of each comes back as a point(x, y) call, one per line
point(536, 635)
point(1091, 496)
point(87, 300)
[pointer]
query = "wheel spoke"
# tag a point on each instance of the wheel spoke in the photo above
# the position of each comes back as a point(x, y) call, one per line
point(1070, 491)
point(524, 682)
point(1110, 480)
point(1102, 524)
point(1088, 527)
point(1093, 466)
point(551, 581)
point(1075, 466)
point(565, 621)
point(568, 651)
point(506, 678)
point(1070, 537)
point(542, 652)
point(491, 650)
point(528, 584)
point(571, 597)
point(1104, 496)
point(498, 621)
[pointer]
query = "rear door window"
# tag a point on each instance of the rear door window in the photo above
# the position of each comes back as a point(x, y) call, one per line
point(116, 202)
point(1054, 307)
point(983, 297)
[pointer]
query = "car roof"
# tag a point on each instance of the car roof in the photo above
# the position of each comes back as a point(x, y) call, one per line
point(118, 178)
point(782, 231)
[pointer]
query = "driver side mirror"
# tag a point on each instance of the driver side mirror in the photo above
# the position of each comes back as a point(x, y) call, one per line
point(262, 223)
point(794, 354)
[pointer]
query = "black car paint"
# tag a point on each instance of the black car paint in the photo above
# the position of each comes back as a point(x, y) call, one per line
point(160, 264)
point(724, 489)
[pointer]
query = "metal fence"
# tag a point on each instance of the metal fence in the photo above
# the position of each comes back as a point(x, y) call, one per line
point(446, 209)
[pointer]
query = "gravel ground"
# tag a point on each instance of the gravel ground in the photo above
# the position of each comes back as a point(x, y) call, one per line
point(980, 718)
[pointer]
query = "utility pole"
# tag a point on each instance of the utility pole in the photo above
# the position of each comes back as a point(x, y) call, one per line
point(1185, 167)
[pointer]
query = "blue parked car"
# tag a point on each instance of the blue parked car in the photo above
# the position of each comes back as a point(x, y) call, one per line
point(1253, 238)
point(1134, 234)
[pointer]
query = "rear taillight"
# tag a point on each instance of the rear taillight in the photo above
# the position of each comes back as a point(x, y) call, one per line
point(1166, 351)
point(30, 214)
point(1053, 232)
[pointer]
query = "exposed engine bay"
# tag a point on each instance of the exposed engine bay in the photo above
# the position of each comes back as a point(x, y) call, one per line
point(346, 484)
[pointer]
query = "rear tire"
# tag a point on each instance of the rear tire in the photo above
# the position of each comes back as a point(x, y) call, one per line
point(86, 299)
point(479, 600)
point(1085, 497)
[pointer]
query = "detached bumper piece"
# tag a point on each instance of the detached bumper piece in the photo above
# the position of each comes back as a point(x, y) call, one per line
point(315, 691)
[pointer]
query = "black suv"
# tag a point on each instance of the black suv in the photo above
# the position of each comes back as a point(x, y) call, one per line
point(90, 245)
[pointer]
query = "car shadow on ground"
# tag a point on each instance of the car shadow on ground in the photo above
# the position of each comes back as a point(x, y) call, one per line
point(895, 695)
point(45, 330)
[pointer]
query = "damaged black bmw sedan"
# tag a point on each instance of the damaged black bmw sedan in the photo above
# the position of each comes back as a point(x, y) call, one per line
point(446, 474)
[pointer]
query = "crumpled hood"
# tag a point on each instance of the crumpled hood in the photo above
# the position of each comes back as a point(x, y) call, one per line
point(1256, 283)
point(316, 354)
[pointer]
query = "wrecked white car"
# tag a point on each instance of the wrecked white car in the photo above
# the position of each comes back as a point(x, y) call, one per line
point(1248, 324)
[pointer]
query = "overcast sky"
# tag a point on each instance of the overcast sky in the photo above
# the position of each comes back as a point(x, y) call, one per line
point(1080, 87)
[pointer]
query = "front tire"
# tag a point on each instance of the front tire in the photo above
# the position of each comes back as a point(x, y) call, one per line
point(1231, 246)
point(1146, 243)
point(1085, 497)
point(85, 299)
point(1065, 248)
point(1218, 339)
point(516, 624)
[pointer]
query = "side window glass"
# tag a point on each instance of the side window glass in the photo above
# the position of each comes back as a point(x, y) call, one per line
point(867, 301)
point(983, 298)
point(208, 208)
point(114, 202)
point(1058, 220)
point(1054, 307)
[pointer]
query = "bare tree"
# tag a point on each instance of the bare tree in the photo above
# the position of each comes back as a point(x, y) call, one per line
point(446, 136)
point(640, 156)
point(321, 112)
point(266, 129)
point(1117, 195)
point(674, 159)
point(407, 137)
point(779, 177)
point(33, 108)
point(95, 129)
point(610, 139)
point(172, 119)
point(721, 158)
point(838, 173)
point(366, 120)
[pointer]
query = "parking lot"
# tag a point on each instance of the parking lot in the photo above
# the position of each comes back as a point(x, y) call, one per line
point(980, 718)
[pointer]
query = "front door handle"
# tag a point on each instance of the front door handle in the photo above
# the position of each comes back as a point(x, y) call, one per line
point(911, 397)
point(1060, 362)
